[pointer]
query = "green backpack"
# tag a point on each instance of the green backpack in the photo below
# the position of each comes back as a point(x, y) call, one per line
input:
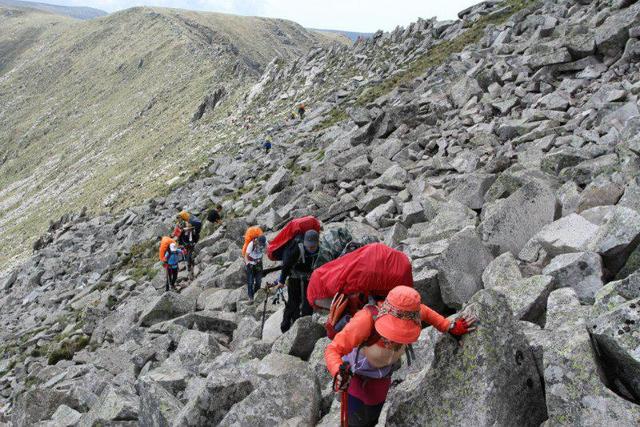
point(332, 243)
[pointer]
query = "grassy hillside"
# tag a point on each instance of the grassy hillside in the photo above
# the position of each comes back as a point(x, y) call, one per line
point(99, 113)
point(70, 11)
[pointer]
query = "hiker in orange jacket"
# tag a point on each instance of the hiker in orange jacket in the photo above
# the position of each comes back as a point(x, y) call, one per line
point(372, 343)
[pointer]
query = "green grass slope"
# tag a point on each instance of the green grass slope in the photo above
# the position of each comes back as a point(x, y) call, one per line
point(98, 113)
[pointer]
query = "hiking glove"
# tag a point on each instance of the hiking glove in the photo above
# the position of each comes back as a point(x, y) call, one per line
point(460, 327)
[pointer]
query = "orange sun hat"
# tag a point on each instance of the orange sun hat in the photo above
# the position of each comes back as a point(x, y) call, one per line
point(399, 317)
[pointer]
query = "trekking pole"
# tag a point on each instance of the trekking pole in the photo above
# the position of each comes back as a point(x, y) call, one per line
point(264, 310)
point(344, 396)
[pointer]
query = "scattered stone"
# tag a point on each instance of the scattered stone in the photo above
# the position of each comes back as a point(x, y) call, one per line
point(300, 340)
point(581, 271)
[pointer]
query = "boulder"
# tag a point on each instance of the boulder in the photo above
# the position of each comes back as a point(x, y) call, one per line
point(394, 178)
point(617, 238)
point(271, 330)
point(65, 416)
point(470, 190)
point(171, 376)
point(518, 218)
point(158, 407)
point(300, 340)
point(196, 348)
point(616, 293)
point(233, 277)
point(617, 337)
point(376, 217)
point(39, 404)
point(575, 394)
point(412, 212)
point(572, 233)
point(502, 271)
point(581, 271)
point(494, 365)
point(113, 406)
point(599, 193)
point(167, 306)
point(291, 399)
point(213, 399)
point(460, 267)
point(278, 181)
point(527, 298)
point(318, 364)
point(631, 197)
point(463, 90)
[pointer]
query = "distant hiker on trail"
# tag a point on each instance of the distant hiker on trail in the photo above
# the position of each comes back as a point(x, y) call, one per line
point(267, 144)
point(253, 261)
point(297, 265)
point(215, 215)
point(194, 221)
point(364, 354)
point(185, 234)
point(173, 255)
point(301, 111)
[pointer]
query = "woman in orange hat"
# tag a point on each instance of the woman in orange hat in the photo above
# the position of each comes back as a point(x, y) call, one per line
point(362, 356)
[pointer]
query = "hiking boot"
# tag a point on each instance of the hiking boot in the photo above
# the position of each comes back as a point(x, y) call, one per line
point(250, 302)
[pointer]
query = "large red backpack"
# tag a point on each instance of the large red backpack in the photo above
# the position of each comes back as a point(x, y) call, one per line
point(294, 228)
point(345, 284)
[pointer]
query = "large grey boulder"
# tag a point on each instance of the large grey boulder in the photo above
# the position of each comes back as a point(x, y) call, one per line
point(300, 340)
point(612, 35)
point(599, 193)
point(575, 393)
point(616, 293)
point(158, 407)
point(494, 365)
point(518, 218)
point(470, 190)
point(233, 277)
point(278, 181)
point(39, 404)
point(113, 406)
point(412, 212)
point(167, 306)
point(617, 237)
point(271, 330)
point(65, 416)
point(196, 348)
point(502, 271)
point(581, 271)
point(317, 362)
point(617, 338)
point(463, 90)
point(291, 399)
point(527, 298)
point(213, 399)
point(460, 267)
point(572, 233)
point(394, 178)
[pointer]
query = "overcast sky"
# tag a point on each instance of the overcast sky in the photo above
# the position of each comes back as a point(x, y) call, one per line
point(353, 15)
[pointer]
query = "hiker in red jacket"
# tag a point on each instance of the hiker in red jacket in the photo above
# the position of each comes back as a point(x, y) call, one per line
point(372, 343)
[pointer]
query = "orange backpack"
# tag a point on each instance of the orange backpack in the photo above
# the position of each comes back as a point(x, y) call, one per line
point(164, 247)
point(249, 235)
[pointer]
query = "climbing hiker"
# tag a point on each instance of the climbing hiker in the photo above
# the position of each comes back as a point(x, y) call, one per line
point(215, 215)
point(194, 221)
point(297, 247)
point(253, 251)
point(185, 234)
point(301, 111)
point(172, 256)
point(362, 357)
point(267, 144)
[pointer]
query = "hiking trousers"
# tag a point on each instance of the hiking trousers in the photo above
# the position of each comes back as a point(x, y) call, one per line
point(172, 277)
point(361, 415)
point(254, 279)
point(297, 304)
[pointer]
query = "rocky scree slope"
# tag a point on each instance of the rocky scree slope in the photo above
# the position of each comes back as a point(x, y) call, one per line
point(70, 11)
point(102, 113)
point(507, 172)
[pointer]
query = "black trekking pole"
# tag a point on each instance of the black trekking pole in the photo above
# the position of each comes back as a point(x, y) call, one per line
point(264, 306)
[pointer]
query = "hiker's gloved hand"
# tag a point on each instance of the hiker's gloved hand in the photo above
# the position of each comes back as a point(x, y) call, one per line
point(463, 325)
point(342, 378)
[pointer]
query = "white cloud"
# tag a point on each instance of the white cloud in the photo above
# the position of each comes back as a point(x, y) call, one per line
point(354, 15)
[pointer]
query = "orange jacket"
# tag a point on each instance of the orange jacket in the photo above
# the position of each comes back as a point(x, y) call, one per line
point(360, 327)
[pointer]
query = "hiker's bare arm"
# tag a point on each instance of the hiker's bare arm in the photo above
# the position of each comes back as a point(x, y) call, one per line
point(354, 333)
point(433, 318)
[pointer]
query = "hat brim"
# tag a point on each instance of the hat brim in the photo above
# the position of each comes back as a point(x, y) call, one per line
point(401, 331)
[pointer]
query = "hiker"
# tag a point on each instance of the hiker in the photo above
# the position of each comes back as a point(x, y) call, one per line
point(253, 262)
point(364, 354)
point(298, 259)
point(194, 221)
point(215, 215)
point(172, 260)
point(301, 111)
point(185, 233)
point(267, 145)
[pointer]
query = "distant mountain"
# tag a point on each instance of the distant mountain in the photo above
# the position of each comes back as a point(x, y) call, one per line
point(352, 35)
point(73, 12)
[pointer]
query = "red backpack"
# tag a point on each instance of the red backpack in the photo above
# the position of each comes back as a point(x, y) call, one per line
point(345, 284)
point(294, 228)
